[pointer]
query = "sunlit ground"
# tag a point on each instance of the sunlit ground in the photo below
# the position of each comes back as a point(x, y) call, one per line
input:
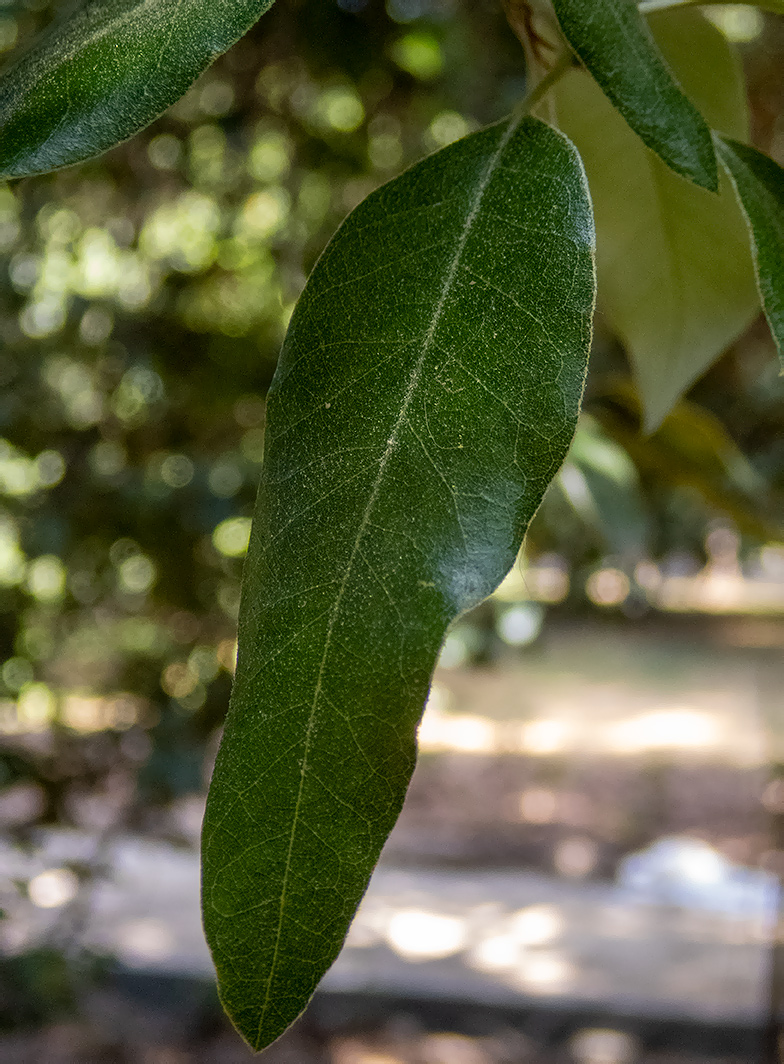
point(588, 826)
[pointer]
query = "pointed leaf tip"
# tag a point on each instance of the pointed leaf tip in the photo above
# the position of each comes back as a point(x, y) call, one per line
point(427, 393)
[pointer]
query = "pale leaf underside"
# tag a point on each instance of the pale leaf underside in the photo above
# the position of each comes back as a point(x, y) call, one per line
point(676, 280)
point(612, 40)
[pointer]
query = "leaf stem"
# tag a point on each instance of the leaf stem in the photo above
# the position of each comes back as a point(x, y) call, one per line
point(565, 61)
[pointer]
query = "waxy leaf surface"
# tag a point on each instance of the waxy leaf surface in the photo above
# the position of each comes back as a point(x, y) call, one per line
point(759, 182)
point(676, 280)
point(105, 70)
point(613, 41)
point(427, 392)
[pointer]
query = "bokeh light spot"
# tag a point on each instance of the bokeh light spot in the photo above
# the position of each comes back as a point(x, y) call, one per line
point(46, 578)
point(53, 888)
point(231, 537)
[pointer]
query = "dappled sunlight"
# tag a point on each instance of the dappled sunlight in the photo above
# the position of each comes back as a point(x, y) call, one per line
point(53, 888)
point(420, 935)
point(545, 736)
point(546, 973)
point(510, 946)
point(538, 805)
point(678, 904)
point(576, 857)
point(665, 729)
point(585, 839)
point(141, 941)
point(602, 1045)
point(38, 708)
point(694, 927)
point(687, 729)
point(353, 1051)
point(535, 925)
point(726, 584)
point(467, 734)
point(544, 580)
point(608, 587)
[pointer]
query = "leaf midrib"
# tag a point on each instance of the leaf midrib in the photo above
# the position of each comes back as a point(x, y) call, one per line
point(103, 26)
point(374, 493)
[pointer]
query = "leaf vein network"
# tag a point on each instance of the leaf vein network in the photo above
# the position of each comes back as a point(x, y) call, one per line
point(375, 491)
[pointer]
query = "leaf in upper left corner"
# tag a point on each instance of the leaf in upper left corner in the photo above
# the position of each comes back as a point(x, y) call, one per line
point(759, 182)
point(106, 69)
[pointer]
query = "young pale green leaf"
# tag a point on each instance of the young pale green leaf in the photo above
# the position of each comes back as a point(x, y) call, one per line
point(759, 182)
point(613, 41)
point(676, 280)
point(427, 393)
point(104, 71)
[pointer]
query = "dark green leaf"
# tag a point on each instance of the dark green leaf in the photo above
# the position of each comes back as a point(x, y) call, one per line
point(676, 280)
point(612, 39)
point(427, 393)
point(104, 71)
point(759, 182)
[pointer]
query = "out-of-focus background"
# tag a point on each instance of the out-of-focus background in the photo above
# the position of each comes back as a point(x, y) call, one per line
point(587, 866)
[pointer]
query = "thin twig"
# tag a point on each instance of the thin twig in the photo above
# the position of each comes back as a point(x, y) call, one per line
point(566, 61)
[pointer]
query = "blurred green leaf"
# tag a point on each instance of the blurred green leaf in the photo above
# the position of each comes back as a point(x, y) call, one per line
point(600, 482)
point(613, 41)
point(692, 448)
point(759, 182)
point(676, 280)
point(427, 392)
point(104, 71)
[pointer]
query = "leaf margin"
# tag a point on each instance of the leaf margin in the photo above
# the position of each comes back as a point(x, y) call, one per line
point(628, 84)
point(751, 170)
point(37, 83)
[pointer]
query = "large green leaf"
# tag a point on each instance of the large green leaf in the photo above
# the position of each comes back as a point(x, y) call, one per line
point(104, 71)
point(759, 182)
point(676, 280)
point(427, 393)
point(612, 39)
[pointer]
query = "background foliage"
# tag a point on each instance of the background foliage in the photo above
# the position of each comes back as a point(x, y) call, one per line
point(143, 299)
